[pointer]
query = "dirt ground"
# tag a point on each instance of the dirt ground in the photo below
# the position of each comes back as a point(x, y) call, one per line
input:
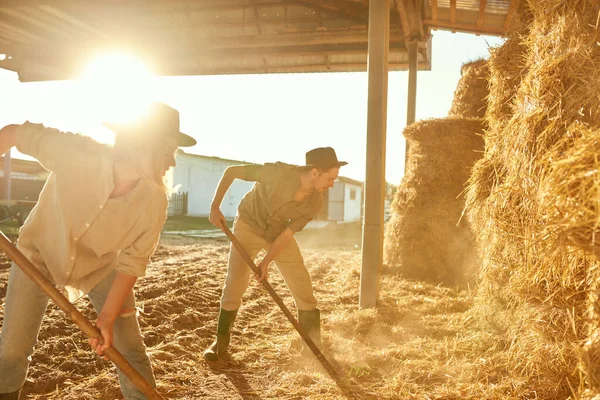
point(420, 342)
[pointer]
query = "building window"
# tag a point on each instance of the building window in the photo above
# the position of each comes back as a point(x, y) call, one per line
point(352, 194)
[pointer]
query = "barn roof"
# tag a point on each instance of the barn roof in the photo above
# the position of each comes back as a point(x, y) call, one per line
point(350, 181)
point(53, 39)
point(182, 153)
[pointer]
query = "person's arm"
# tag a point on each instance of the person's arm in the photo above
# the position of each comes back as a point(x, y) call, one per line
point(120, 289)
point(278, 245)
point(232, 173)
point(52, 148)
point(8, 138)
point(132, 262)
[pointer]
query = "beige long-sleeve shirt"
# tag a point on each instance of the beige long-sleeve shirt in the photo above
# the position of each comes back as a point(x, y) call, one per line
point(75, 234)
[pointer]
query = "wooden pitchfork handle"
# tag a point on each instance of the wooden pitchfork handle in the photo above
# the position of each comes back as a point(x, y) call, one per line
point(86, 326)
point(332, 372)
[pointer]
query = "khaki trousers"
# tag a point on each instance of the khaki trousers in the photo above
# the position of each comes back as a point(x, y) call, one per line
point(289, 262)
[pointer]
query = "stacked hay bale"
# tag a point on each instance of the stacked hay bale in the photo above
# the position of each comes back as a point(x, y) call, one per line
point(424, 238)
point(470, 96)
point(533, 198)
point(507, 65)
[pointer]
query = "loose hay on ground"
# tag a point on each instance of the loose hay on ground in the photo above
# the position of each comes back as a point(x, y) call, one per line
point(419, 342)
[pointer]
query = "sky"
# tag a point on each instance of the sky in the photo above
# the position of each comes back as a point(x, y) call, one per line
point(256, 118)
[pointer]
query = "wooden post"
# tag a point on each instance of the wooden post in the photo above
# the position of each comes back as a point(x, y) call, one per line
point(377, 68)
point(7, 174)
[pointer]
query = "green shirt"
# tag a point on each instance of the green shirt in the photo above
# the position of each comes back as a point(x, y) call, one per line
point(269, 207)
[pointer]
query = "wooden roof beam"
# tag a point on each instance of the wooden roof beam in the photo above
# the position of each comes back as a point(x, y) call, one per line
point(73, 21)
point(44, 55)
point(410, 19)
point(286, 23)
point(419, 19)
point(34, 75)
point(463, 28)
point(257, 18)
point(481, 15)
point(512, 10)
point(453, 11)
point(35, 21)
point(13, 30)
point(136, 5)
point(320, 5)
point(434, 10)
point(6, 43)
point(149, 45)
point(403, 14)
point(289, 39)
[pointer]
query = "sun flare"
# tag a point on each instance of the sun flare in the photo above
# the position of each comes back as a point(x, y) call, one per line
point(119, 86)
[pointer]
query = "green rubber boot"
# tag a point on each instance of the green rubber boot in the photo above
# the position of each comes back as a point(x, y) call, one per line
point(220, 345)
point(310, 321)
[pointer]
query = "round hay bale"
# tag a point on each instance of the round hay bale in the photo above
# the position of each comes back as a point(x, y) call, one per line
point(470, 96)
point(425, 237)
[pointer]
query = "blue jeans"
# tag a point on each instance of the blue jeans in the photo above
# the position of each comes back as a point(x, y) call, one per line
point(25, 305)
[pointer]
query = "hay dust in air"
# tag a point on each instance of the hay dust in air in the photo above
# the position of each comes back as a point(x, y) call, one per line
point(421, 342)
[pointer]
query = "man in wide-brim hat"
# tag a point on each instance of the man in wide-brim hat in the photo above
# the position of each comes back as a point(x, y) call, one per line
point(282, 201)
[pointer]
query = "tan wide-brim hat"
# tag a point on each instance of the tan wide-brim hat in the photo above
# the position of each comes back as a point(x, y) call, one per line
point(161, 119)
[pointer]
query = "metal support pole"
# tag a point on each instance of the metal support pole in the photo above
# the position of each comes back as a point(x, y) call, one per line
point(7, 174)
point(372, 249)
point(7, 168)
point(412, 82)
point(411, 110)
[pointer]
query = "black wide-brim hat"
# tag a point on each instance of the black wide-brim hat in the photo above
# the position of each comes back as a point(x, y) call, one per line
point(323, 157)
point(161, 119)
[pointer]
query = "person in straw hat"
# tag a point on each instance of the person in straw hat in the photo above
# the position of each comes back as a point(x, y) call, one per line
point(93, 230)
point(282, 201)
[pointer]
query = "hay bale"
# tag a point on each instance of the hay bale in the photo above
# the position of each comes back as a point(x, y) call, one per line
point(537, 110)
point(424, 239)
point(569, 191)
point(470, 96)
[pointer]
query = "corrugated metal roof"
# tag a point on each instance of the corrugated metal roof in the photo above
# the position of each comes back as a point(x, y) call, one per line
point(52, 39)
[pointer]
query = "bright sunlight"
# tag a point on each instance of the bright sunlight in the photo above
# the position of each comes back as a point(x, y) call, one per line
point(118, 87)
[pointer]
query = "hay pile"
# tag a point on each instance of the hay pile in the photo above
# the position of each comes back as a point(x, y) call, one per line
point(470, 96)
point(534, 195)
point(424, 239)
